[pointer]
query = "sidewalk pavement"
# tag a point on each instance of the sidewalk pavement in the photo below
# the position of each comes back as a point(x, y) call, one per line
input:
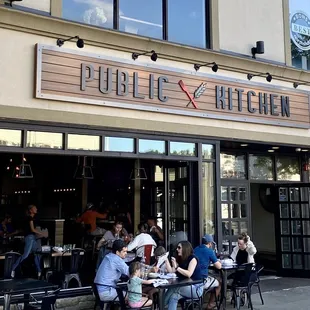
point(282, 293)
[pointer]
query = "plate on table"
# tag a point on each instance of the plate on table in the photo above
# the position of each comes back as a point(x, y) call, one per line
point(154, 275)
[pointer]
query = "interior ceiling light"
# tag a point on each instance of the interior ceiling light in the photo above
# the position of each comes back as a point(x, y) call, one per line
point(79, 42)
point(244, 144)
point(153, 57)
point(214, 67)
point(271, 151)
point(258, 49)
point(298, 149)
point(275, 147)
point(304, 150)
point(296, 84)
point(268, 76)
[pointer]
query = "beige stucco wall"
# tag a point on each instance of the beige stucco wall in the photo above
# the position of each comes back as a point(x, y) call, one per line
point(17, 100)
point(243, 22)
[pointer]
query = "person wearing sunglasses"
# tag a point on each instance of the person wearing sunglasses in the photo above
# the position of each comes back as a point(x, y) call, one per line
point(185, 265)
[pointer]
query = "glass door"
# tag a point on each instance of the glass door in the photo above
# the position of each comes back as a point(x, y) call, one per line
point(235, 213)
point(169, 200)
point(293, 230)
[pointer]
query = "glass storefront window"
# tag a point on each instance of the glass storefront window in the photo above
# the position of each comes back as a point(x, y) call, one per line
point(96, 13)
point(300, 35)
point(42, 6)
point(261, 167)
point(44, 139)
point(152, 146)
point(83, 142)
point(288, 168)
point(208, 198)
point(233, 166)
point(118, 144)
point(186, 22)
point(9, 137)
point(141, 17)
point(207, 151)
point(182, 148)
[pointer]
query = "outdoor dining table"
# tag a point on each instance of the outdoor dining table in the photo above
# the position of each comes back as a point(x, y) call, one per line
point(174, 283)
point(224, 271)
point(22, 286)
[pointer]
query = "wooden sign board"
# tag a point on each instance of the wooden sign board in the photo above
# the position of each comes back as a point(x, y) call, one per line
point(95, 79)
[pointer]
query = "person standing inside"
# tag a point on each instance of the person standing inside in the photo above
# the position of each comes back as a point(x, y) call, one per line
point(206, 255)
point(89, 217)
point(155, 231)
point(31, 246)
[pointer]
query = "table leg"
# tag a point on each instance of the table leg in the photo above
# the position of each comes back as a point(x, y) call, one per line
point(161, 299)
point(26, 300)
point(224, 289)
point(6, 301)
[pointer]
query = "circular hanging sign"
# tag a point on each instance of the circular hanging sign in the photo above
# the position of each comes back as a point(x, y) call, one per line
point(300, 30)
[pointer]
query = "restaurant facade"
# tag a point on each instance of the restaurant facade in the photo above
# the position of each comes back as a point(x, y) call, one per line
point(206, 130)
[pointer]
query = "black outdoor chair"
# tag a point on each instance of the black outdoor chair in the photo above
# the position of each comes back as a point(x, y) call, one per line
point(241, 286)
point(47, 303)
point(9, 260)
point(258, 270)
point(76, 262)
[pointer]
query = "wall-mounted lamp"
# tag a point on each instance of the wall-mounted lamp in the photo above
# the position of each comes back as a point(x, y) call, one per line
point(154, 55)
point(295, 84)
point(214, 67)
point(79, 42)
point(268, 76)
point(258, 49)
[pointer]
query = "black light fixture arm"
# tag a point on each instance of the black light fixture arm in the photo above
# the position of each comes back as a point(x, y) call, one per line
point(296, 84)
point(60, 42)
point(136, 55)
point(214, 66)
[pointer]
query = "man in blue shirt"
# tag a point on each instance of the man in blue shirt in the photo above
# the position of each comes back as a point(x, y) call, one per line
point(110, 270)
point(206, 255)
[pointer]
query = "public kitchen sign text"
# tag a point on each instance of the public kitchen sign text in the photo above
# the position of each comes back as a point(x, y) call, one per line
point(226, 98)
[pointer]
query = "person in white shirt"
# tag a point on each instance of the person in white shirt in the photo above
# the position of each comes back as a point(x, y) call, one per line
point(143, 238)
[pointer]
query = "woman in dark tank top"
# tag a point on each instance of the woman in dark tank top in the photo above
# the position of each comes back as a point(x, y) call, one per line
point(185, 265)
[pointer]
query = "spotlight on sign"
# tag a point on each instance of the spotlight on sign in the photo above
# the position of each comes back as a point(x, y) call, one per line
point(258, 49)
point(214, 67)
point(267, 74)
point(153, 56)
point(79, 42)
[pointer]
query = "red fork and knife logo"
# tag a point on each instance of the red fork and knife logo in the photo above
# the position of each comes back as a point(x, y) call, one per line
point(198, 92)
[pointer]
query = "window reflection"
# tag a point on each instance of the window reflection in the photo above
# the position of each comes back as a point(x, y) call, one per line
point(207, 151)
point(96, 12)
point(141, 17)
point(83, 142)
point(38, 5)
point(186, 22)
point(152, 146)
point(182, 148)
point(261, 167)
point(117, 144)
point(288, 168)
point(208, 198)
point(10, 137)
point(44, 139)
point(232, 166)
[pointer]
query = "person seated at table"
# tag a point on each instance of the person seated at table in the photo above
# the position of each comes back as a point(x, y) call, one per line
point(206, 255)
point(110, 270)
point(186, 266)
point(245, 250)
point(31, 245)
point(135, 297)
point(117, 232)
point(143, 238)
point(89, 217)
point(155, 231)
point(6, 228)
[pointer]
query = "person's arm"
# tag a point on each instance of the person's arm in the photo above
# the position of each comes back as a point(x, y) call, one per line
point(216, 263)
point(234, 253)
point(159, 233)
point(251, 249)
point(32, 229)
point(191, 268)
point(168, 266)
point(101, 215)
point(148, 281)
point(101, 243)
point(124, 268)
point(173, 266)
point(133, 244)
